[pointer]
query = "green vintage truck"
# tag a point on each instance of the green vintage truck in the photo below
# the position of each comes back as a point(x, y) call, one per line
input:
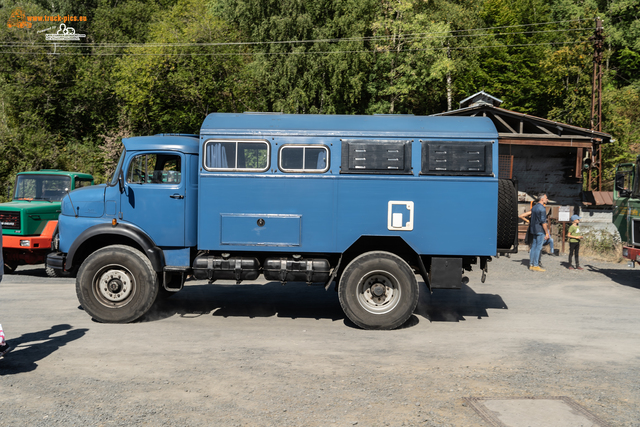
point(626, 208)
point(30, 220)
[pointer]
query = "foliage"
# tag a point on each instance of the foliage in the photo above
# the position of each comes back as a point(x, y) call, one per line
point(162, 65)
point(165, 88)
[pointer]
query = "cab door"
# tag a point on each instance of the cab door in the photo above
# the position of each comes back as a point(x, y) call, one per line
point(154, 196)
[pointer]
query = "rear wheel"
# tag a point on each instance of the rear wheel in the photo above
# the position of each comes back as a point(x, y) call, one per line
point(117, 284)
point(378, 290)
point(507, 214)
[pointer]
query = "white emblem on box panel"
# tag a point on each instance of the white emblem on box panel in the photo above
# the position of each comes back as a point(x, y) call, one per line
point(400, 216)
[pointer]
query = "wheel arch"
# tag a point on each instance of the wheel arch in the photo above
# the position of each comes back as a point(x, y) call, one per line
point(392, 244)
point(103, 235)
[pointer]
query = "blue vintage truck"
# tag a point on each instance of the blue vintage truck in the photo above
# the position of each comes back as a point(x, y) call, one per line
point(366, 202)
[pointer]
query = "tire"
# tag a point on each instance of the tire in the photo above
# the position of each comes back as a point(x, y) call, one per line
point(378, 290)
point(507, 214)
point(117, 284)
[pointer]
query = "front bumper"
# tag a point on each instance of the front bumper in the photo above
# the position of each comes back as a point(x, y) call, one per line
point(56, 260)
point(631, 253)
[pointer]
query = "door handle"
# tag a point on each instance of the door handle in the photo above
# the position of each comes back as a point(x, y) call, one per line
point(177, 196)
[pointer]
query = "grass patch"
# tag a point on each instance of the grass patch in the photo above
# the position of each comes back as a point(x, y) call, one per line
point(601, 245)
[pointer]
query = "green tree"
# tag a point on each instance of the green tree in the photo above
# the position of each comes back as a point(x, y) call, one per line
point(183, 74)
point(326, 68)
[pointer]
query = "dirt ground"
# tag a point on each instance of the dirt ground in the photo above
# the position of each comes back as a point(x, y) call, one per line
point(272, 355)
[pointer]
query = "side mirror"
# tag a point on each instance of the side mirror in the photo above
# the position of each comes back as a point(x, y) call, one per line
point(620, 181)
point(121, 181)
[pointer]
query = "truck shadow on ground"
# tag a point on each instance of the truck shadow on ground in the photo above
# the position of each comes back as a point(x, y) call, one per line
point(34, 346)
point(29, 271)
point(624, 277)
point(294, 300)
point(297, 300)
point(454, 305)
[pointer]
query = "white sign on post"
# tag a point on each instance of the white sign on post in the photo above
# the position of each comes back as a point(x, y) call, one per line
point(564, 213)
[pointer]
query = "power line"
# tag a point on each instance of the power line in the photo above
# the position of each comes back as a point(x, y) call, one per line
point(408, 36)
point(400, 36)
point(519, 45)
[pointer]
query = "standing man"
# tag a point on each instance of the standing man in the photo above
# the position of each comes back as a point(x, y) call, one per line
point(540, 232)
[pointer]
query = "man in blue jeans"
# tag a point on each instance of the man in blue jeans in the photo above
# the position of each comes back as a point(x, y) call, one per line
point(540, 232)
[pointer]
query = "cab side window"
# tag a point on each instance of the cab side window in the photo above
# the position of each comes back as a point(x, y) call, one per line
point(155, 169)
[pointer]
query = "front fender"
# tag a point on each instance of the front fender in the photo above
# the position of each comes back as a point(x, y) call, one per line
point(119, 231)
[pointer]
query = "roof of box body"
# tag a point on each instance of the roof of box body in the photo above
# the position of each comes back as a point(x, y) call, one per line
point(348, 126)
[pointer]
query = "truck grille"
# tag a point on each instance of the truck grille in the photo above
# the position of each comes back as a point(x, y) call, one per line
point(10, 220)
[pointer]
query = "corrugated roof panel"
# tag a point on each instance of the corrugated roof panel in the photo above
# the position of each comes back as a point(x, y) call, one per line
point(395, 125)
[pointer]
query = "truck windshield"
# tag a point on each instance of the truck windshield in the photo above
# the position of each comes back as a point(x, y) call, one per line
point(114, 177)
point(42, 187)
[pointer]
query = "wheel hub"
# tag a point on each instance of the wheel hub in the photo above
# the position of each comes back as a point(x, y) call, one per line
point(378, 290)
point(115, 285)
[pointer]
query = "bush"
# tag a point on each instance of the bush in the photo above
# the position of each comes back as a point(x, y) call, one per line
point(602, 245)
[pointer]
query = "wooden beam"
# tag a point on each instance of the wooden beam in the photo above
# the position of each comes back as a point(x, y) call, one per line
point(544, 136)
point(501, 120)
point(543, 142)
point(579, 157)
point(545, 130)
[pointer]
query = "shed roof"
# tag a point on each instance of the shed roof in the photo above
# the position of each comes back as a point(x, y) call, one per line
point(597, 198)
point(524, 129)
point(480, 98)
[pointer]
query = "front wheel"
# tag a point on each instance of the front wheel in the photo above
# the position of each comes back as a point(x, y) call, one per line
point(117, 284)
point(378, 290)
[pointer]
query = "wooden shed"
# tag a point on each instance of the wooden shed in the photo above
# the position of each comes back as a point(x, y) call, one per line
point(545, 156)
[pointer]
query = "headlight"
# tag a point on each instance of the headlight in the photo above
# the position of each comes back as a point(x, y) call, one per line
point(26, 243)
point(625, 252)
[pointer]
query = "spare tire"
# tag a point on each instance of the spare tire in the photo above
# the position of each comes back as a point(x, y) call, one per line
point(507, 214)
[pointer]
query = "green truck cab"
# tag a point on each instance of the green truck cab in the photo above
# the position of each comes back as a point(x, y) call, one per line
point(30, 220)
point(626, 208)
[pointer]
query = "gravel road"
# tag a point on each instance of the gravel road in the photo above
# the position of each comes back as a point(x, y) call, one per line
point(272, 355)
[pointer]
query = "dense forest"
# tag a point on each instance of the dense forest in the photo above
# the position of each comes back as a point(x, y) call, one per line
point(145, 67)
